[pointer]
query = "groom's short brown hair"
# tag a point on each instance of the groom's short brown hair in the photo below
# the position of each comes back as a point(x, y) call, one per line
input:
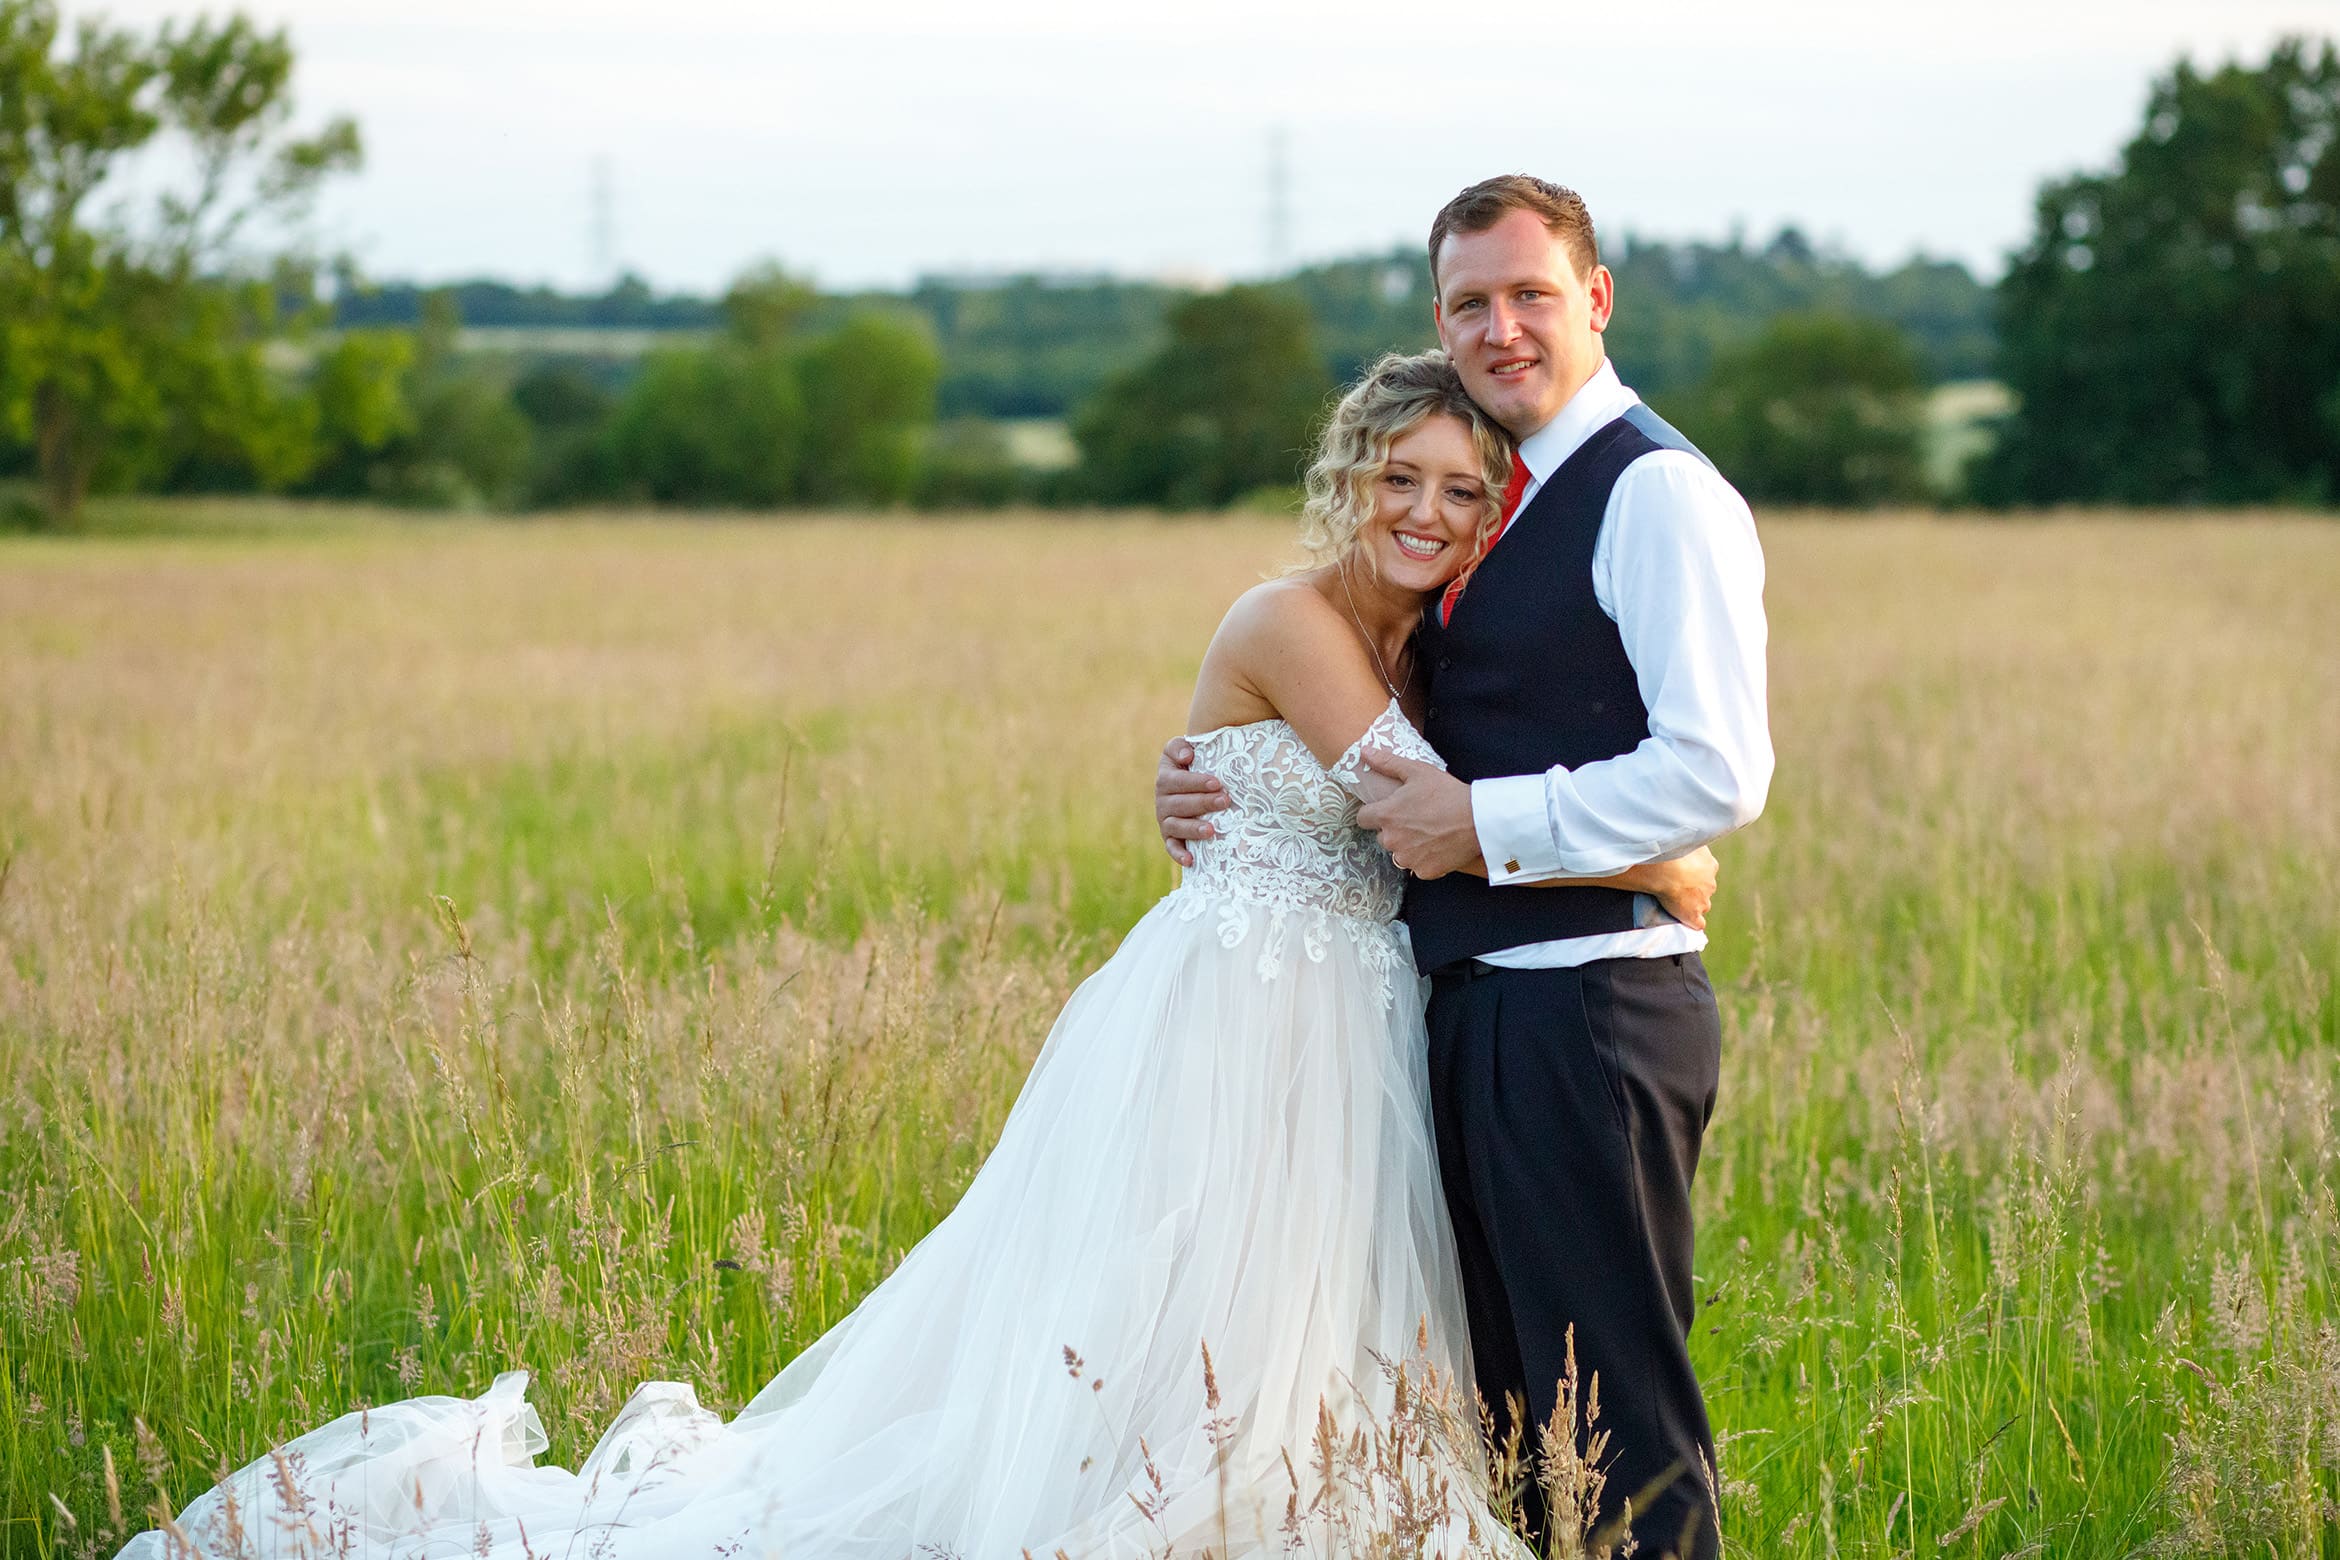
point(1482, 206)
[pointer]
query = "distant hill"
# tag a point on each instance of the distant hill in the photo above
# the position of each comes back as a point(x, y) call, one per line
point(630, 305)
point(1037, 345)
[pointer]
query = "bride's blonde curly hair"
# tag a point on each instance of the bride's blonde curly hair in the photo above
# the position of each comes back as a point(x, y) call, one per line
point(1396, 396)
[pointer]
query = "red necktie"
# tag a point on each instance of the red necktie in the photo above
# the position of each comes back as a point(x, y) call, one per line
point(1512, 494)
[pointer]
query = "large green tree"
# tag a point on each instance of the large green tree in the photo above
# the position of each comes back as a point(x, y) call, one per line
point(1227, 405)
point(869, 399)
point(711, 425)
point(775, 413)
point(134, 300)
point(2172, 330)
point(1817, 409)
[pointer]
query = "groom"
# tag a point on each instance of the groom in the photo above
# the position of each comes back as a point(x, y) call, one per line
point(1598, 688)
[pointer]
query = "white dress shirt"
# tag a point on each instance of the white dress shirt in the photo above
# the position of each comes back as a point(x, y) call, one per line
point(1677, 568)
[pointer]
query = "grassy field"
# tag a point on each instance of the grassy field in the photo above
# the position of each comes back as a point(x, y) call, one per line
point(605, 946)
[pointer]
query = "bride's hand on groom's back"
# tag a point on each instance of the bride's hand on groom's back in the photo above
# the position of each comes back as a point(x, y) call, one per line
point(1685, 885)
point(1184, 800)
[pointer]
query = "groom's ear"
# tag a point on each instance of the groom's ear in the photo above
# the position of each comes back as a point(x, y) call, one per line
point(1601, 289)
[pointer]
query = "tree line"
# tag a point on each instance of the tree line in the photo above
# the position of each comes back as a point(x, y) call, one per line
point(2169, 334)
point(765, 413)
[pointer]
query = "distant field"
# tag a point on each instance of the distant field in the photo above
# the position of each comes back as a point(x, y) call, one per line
point(427, 947)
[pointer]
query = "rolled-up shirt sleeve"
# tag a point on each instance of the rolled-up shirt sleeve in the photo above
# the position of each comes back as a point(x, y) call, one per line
point(1679, 570)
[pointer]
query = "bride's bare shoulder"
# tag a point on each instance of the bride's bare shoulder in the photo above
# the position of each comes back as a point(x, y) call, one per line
point(1270, 628)
point(1278, 616)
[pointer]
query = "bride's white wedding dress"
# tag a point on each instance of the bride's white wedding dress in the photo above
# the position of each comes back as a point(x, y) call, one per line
point(1225, 1142)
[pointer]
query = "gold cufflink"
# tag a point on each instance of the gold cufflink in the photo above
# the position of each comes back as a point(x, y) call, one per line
point(1511, 866)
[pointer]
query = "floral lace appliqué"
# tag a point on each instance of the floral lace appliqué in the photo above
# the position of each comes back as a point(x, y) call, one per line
point(1289, 849)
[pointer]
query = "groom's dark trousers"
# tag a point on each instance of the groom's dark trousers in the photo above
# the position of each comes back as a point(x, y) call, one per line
point(1569, 1107)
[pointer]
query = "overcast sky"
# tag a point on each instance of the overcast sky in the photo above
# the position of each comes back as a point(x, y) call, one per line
point(871, 142)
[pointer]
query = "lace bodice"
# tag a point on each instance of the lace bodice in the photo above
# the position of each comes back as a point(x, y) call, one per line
point(1290, 840)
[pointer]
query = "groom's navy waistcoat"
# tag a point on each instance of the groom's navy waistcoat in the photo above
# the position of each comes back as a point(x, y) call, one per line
point(1532, 673)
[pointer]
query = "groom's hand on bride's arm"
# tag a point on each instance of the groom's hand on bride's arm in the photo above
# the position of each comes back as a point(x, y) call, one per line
point(1425, 823)
point(1184, 800)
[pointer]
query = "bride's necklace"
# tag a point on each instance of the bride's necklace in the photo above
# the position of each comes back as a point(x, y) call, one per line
point(1371, 648)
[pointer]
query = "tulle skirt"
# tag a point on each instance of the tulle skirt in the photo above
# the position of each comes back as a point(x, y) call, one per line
point(1224, 1144)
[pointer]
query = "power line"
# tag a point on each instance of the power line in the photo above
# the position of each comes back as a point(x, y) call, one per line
point(1279, 201)
point(602, 233)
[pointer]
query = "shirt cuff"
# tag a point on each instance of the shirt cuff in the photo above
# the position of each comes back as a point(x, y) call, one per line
point(1514, 829)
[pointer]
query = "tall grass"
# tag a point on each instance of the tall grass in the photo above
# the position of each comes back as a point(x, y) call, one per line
point(606, 946)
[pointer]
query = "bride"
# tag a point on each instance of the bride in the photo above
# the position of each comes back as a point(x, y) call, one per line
point(1211, 1223)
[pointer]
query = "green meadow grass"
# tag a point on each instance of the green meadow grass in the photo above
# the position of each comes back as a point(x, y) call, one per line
point(605, 945)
